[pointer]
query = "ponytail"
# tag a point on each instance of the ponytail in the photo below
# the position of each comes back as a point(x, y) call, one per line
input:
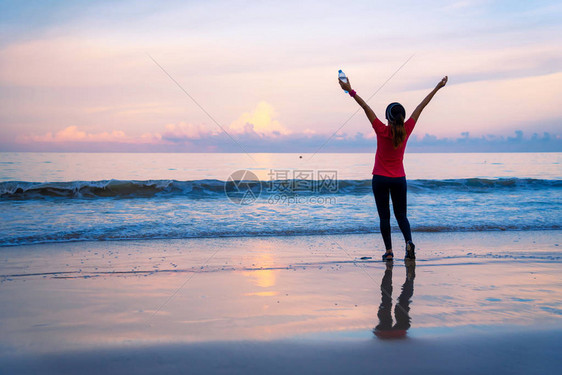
point(398, 131)
point(395, 114)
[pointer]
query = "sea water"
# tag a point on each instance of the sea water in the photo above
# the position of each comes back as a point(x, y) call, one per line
point(61, 197)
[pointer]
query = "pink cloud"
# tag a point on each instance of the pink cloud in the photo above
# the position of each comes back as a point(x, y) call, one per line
point(73, 134)
point(259, 122)
point(185, 132)
point(173, 133)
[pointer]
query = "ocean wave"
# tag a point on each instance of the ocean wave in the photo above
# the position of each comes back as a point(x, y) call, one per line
point(202, 189)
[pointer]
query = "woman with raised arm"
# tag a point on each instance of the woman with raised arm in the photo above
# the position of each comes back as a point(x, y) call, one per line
point(389, 178)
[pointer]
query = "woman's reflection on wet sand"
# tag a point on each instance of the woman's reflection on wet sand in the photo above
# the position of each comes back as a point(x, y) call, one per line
point(385, 329)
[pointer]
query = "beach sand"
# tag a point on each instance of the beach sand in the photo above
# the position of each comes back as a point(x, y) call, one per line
point(481, 302)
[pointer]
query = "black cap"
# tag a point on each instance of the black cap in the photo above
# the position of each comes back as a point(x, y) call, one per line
point(394, 109)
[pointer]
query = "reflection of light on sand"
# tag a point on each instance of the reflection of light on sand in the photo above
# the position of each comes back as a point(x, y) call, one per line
point(263, 278)
point(262, 294)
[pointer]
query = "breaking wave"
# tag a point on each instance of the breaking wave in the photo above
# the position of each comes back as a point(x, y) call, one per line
point(206, 189)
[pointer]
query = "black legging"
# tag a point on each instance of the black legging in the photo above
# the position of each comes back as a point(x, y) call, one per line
point(397, 188)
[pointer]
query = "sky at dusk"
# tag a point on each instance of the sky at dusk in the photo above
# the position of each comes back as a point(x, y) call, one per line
point(80, 75)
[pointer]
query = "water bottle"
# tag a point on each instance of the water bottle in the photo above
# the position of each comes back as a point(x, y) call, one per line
point(342, 77)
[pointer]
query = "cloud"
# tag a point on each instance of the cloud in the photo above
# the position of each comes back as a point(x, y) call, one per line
point(257, 123)
point(487, 143)
point(183, 132)
point(184, 137)
point(260, 120)
point(72, 134)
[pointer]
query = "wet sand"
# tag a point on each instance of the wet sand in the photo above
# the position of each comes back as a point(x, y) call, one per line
point(472, 303)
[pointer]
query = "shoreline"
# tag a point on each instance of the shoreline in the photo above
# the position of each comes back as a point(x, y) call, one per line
point(395, 232)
